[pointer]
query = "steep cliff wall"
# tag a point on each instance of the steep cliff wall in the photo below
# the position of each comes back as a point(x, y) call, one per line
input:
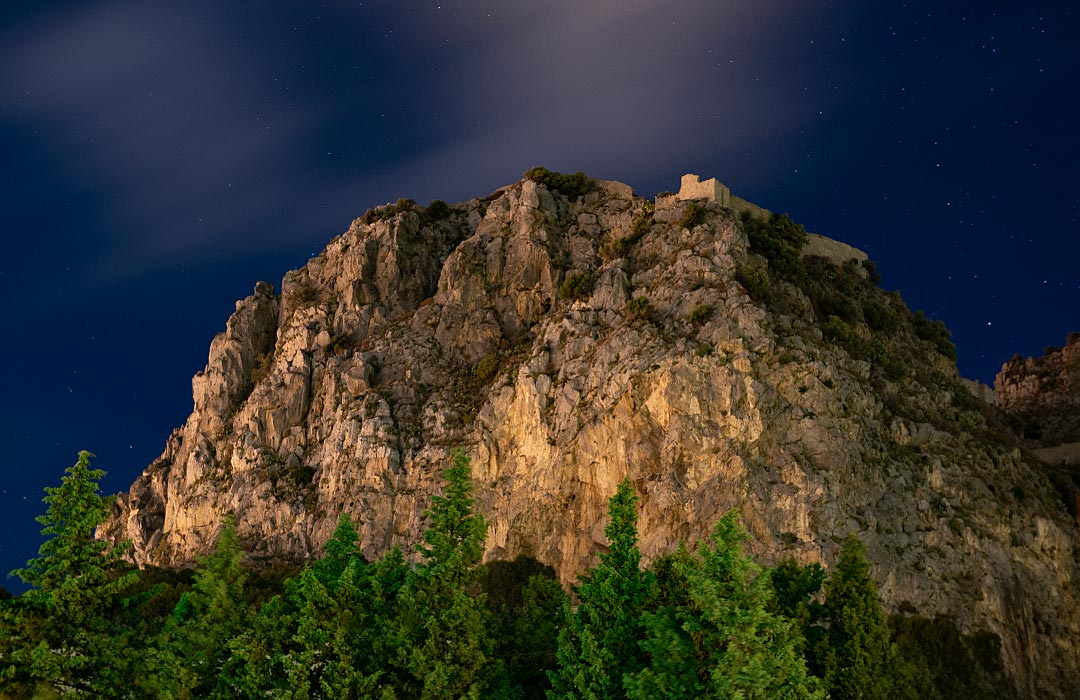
point(425, 330)
point(1043, 394)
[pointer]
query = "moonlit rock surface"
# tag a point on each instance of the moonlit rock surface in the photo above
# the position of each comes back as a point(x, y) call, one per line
point(407, 337)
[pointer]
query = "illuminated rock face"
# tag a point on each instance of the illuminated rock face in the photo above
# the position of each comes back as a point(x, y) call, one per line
point(1043, 394)
point(409, 336)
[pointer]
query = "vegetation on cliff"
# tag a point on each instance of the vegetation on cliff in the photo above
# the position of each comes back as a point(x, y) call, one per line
point(703, 622)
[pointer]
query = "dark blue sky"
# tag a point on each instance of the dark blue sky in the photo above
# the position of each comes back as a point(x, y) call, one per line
point(163, 156)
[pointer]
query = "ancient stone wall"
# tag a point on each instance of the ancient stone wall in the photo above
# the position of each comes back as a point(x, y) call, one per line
point(740, 205)
point(711, 190)
point(834, 250)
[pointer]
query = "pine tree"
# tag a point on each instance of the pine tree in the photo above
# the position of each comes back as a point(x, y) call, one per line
point(858, 660)
point(526, 603)
point(305, 643)
point(63, 632)
point(194, 646)
point(599, 643)
point(340, 551)
point(797, 588)
point(446, 644)
point(714, 636)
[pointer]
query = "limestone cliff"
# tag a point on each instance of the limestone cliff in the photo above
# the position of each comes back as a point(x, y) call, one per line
point(505, 325)
point(1043, 394)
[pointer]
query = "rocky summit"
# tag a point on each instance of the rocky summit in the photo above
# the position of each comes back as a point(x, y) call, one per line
point(570, 334)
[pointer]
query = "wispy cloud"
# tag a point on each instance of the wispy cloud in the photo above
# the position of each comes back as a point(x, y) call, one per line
point(620, 88)
point(181, 121)
point(156, 111)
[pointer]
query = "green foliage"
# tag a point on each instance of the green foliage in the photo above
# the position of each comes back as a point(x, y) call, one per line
point(577, 286)
point(639, 309)
point(855, 656)
point(880, 317)
point(340, 344)
point(714, 634)
point(829, 303)
point(527, 606)
point(796, 588)
point(872, 274)
point(194, 643)
point(704, 622)
point(573, 186)
point(64, 633)
point(838, 331)
point(306, 294)
point(600, 642)
point(447, 647)
point(438, 210)
point(639, 226)
point(388, 211)
point(952, 666)
point(261, 370)
point(328, 635)
point(756, 282)
point(693, 215)
point(780, 240)
point(700, 314)
point(340, 551)
point(486, 369)
point(935, 333)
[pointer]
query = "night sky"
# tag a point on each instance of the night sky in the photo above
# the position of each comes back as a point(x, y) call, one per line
point(161, 157)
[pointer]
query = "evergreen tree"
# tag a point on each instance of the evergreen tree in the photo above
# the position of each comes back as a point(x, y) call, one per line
point(857, 658)
point(340, 551)
point(944, 664)
point(382, 637)
point(305, 643)
point(797, 588)
point(194, 646)
point(526, 603)
point(63, 632)
point(446, 648)
point(715, 636)
point(599, 643)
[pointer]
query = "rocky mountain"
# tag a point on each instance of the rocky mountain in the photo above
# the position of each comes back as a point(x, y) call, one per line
point(571, 334)
point(1043, 394)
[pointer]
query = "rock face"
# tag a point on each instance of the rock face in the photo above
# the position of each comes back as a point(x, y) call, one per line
point(1043, 394)
point(422, 330)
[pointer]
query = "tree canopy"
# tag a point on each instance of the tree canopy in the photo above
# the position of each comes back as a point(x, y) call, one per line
point(705, 621)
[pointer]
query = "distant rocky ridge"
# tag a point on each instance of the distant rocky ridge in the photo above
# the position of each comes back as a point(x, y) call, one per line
point(1043, 394)
point(570, 342)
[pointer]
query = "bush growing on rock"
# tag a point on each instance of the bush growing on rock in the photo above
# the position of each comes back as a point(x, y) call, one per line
point(694, 215)
point(573, 186)
point(700, 314)
point(437, 210)
point(639, 309)
point(577, 286)
point(756, 282)
point(780, 240)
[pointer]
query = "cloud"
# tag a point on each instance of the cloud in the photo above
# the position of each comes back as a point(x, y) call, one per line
point(154, 110)
point(182, 122)
point(630, 90)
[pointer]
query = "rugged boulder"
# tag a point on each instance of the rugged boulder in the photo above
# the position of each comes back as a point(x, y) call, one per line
point(571, 342)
